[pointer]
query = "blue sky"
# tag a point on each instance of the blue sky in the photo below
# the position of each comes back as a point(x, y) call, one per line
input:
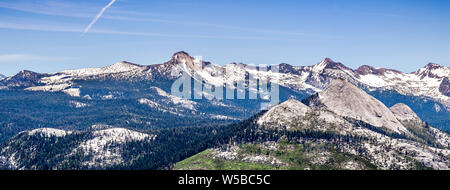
point(48, 35)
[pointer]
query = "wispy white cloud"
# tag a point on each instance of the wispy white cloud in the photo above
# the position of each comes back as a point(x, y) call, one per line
point(230, 37)
point(98, 16)
point(75, 10)
point(391, 15)
point(78, 10)
point(61, 27)
point(51, 8)
point(28, 57)
point(40, 27)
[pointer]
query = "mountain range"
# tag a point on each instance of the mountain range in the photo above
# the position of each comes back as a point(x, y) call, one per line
point(426, 90)
point(124, 116)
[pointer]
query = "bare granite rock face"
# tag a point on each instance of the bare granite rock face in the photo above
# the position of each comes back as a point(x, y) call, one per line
point(407, 116)
point(347, 100)
point(284, 112)
point(404, 112)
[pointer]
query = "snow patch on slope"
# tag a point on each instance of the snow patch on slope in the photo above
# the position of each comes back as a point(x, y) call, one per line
point(76, 104)
point(101, 146)
point(49, 132)
point(148, 102)
point(57, 83)
point(223, 117)
point(188, 104)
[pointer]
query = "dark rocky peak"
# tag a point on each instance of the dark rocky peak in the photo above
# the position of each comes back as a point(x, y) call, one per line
point(25, 74)
point(444, 88)
point(432, 66)
point(183, 57)
point(24, 78)
point(366, 70)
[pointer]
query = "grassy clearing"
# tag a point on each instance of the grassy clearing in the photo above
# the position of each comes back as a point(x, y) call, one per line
point(293, 157)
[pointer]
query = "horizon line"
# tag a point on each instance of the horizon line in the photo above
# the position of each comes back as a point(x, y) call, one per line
point(233, 62)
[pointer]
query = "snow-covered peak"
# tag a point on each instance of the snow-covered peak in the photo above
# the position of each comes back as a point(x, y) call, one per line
point(284, 113)
point(433, 70)
point(328, 63)
point(320, 66)
point(404, 112)
point(120, 135)
point(347, 100)
point(119, 67)
point(2, 76)
point(124, 66)
point(49, 132)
